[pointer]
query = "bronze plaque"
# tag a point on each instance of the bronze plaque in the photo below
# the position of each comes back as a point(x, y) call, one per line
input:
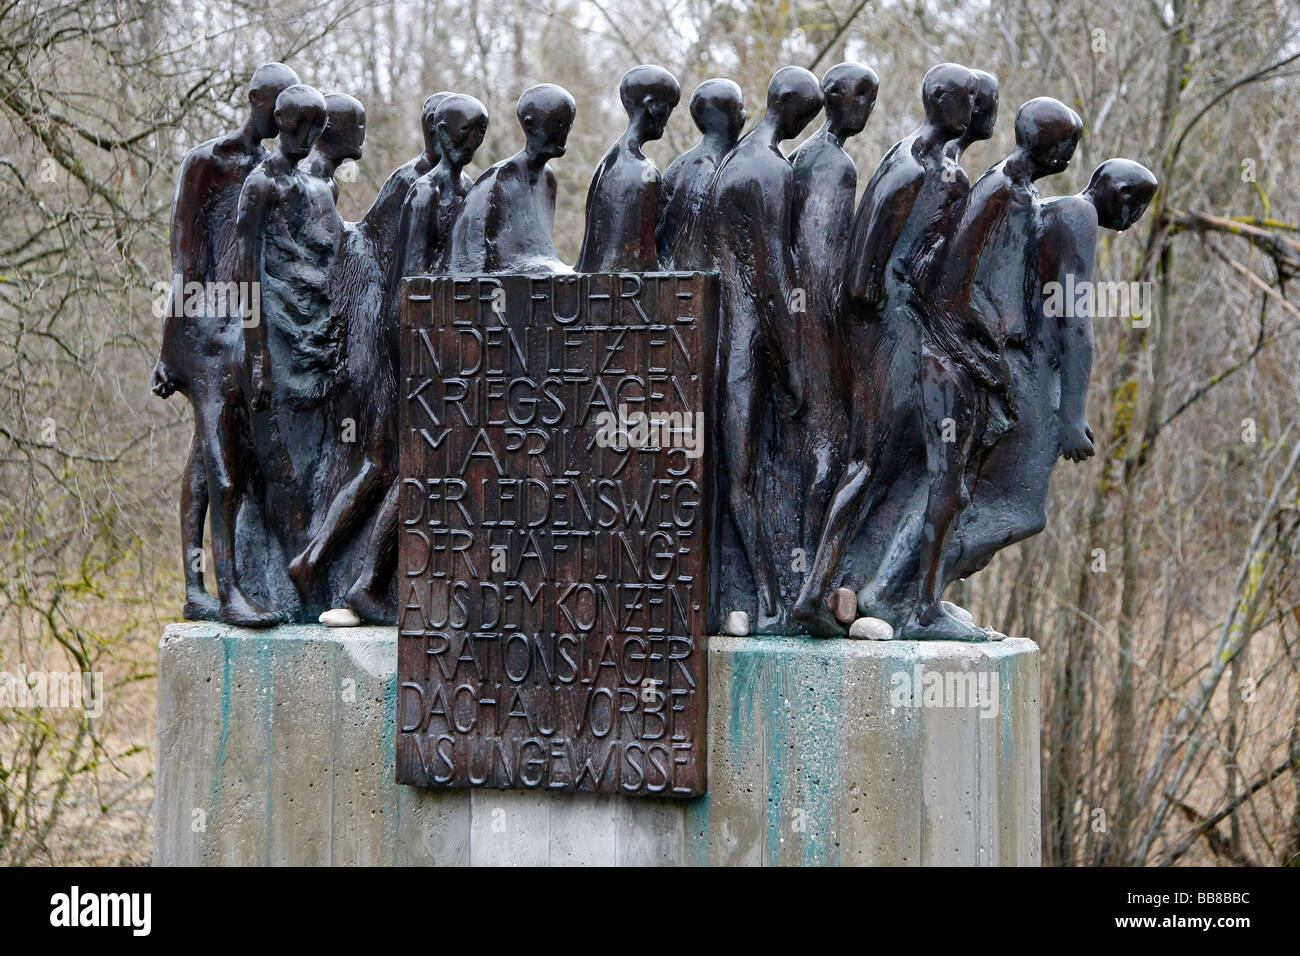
point(555, 532)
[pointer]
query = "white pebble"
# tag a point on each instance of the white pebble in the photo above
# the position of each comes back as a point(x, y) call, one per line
point(871, 629)
point(340, 617)
point(737, 624)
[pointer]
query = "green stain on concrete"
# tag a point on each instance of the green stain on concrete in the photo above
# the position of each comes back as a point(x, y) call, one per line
point(746, 695)
point(695, 832)
point(263, 655)
point(219, 764)
point(824, 721)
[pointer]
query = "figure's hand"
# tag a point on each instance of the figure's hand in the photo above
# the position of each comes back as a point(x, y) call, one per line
point(259, 379)
point(1076, 441)
point(163, 383)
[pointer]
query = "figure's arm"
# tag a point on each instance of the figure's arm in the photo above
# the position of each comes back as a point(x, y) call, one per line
point(583, 251)
point(774, 238)
point(961, 256)
point(876, 227)
point(552, 190)
point(663, 228)
point(1073, 241)
point(187, 256)
point(254, 200)
point(410, 257)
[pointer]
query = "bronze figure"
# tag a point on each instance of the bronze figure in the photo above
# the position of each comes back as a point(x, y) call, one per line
point(431, 207)
point(623, 200)
point(904, 213)
point(287, 235)
point(345, 131)
point(509, 214)
point(1009, 498)
point(825, 183)
point(201, 355)
point(751, 232)
point(718, 109)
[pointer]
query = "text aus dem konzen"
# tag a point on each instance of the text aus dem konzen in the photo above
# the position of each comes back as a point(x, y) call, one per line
point(553, 581)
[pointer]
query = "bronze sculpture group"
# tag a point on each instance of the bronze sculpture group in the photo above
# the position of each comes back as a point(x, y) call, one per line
point(892, 394)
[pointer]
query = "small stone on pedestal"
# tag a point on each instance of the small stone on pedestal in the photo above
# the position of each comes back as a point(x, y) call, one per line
point(843, 603)
point(737, 624)
point(871, 629)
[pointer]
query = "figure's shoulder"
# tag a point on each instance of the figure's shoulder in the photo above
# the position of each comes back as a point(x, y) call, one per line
point(400, 179)
point(211, 150)
point(992, 181)
point(627, 167)
point(751, 163)
point(320, 189)
point(260, 181)
point(826, 162)
point(421, 190)
point(1068, 218)
point(678, 165)
point(898, 173)
point(200, 161)
point(810, 150)
point(498, 179)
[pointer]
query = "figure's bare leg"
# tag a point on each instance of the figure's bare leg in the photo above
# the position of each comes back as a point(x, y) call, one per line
point(821, 476)
point(349, 508)
point(366, 597)
point(225, 491)
point(950, 423)
point(199, 604)
point(742, 420)
point(894, 582)
point(1009, 501)
point(1000, 523)
point(853, 500)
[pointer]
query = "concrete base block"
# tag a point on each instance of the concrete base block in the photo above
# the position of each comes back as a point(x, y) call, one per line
point(277, 747)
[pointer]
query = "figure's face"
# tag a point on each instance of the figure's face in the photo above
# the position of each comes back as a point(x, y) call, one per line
point(460, 137)
point(723, 117)
point(951, 107)
point(796, 111)
point(849, 107)
point(299, 129)
point(1121, 202)
point(261, 103)
point(736, 117)
point(1053, 152)
point(548, 132)
point(985, 114)
point(655, 110)
point(344, 136)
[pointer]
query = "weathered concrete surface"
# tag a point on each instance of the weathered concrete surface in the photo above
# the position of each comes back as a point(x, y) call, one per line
point(277, 748)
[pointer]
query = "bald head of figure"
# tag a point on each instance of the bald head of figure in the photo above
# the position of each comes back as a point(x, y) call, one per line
point(984, 115)
point(461, 122)
point(265, 87)
point(1048, 131)
point(718, 109)
point(948, 95)
point(345, 128)
point(429, 125)
point(793, 98)
point(850, 92)
point(300, 114)
point(1121, 190)
point(649, 94)
point(546, 114)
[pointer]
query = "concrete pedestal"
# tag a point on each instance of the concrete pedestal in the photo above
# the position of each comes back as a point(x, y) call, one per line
point(278, 748)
